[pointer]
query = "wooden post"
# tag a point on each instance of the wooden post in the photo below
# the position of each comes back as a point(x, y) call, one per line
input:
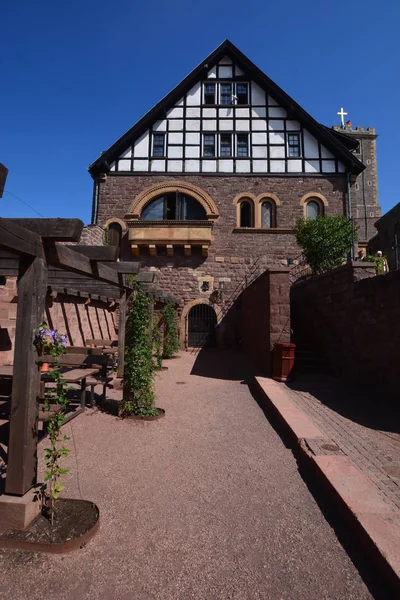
point(22, 449)
point(121, 331)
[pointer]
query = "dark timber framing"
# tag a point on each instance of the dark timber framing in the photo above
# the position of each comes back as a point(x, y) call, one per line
point(334, 143)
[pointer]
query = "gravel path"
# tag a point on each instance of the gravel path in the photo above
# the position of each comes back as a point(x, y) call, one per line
point(206, 503)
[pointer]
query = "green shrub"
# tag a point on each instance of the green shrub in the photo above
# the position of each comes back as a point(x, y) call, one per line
point(139, 367)
point(379, 262)
point(171, 341)
point(325, 241)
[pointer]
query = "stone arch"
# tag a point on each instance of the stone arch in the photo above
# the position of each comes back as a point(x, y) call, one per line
point(313, 195)
point(185, 313)
point(115, 220)
point(253, 203)
point(159, 189)
point(259, 200)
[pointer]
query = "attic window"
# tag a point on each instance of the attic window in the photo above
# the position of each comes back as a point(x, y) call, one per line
point(158, 144)
point(209, 93)
point(293, 145)
point(242, 93)
point(226, 93)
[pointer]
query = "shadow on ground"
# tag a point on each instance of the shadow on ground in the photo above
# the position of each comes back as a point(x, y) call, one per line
point(338, 521)
point(354, 402)
point(232, 365)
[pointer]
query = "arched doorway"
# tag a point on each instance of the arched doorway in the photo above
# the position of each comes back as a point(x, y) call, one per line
point(201, 326)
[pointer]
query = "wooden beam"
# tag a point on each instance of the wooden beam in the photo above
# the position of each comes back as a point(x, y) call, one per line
point(145, 277)
point(102, 253)
point(126, 267)
point(62, 256)
point(62, 230)
point(20, 240)
point(123, 302)
point(22, 449)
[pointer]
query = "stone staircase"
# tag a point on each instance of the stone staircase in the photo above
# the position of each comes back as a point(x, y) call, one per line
point(308, 360)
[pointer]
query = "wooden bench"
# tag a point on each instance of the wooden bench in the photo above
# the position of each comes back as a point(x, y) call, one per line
point(86, 361)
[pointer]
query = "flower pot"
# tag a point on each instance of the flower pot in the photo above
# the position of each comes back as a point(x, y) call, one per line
point(44, 368)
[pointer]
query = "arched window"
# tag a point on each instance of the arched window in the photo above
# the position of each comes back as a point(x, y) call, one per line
point(246, 214)
point(115, 234)
point(313, 209)
point(267, 214)
point(174, 206)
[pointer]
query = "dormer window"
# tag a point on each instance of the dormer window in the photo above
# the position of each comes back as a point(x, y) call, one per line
point(158, 145)
point(209, 93)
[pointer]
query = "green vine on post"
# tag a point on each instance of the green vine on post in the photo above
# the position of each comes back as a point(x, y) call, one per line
point(139, 367)
point(106, 237)
point(49, 341)
point(171, 340)
point(157, 342)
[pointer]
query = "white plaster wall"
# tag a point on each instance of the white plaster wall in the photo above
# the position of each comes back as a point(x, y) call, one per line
point(264, 121)
point(141, 146)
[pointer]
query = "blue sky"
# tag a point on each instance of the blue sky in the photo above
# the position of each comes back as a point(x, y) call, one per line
point(74, 76)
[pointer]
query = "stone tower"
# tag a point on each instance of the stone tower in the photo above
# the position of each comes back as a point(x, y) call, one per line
point(364, 187)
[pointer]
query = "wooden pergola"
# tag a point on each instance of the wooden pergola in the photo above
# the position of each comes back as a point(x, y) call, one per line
point(36, 252)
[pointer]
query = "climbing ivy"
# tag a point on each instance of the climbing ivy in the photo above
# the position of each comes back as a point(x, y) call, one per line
point(51, 342)
point(157, 345)
point(139, 367)
point(106, 237)
point(171, 341)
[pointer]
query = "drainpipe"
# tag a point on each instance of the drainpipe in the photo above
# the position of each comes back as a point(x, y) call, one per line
point(349, 215)
point(95, 202)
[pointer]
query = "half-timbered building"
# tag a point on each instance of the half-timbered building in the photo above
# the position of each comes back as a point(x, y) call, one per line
point(206, 188)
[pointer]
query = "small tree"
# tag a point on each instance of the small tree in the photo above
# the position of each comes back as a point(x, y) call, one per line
point(139, 367)
point(171, 341)
point(325, 241)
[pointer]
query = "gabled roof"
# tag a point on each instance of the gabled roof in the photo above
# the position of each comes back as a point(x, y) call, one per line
point(330, 139)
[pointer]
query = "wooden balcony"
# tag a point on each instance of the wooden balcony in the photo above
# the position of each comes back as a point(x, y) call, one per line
point(170, 234)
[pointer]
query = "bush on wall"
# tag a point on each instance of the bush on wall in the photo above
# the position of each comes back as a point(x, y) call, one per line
point(139, 367)
point(171, 340)
point(325, 241)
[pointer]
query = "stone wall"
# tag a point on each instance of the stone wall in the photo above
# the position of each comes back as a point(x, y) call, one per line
point(234, 254)
point(92, 235)
point(68, 314)
point(265, 316)
point(352, 317)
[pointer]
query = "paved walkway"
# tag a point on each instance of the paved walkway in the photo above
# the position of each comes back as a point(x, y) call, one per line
point(363, 425)
point(206, 503)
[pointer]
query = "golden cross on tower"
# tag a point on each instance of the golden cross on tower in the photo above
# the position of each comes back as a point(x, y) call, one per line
point(342, 114)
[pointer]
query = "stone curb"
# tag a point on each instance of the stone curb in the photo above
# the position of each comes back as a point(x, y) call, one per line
point(375, 522)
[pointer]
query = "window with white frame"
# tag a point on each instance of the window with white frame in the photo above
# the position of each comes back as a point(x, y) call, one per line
point(226, 93)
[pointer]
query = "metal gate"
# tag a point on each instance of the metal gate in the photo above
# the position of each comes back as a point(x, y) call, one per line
point(202, 323)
